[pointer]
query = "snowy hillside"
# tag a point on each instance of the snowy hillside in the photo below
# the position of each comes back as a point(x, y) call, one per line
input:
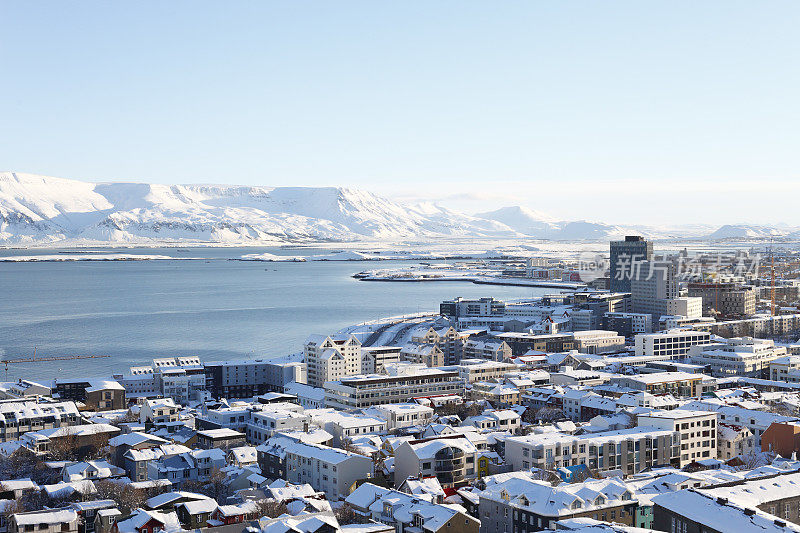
point(537, 224)
point(522, 219)
point(43, 210)
point(743, 231)
point(38, 209)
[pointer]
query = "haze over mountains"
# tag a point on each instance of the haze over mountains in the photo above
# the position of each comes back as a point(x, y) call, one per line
point(44, 210)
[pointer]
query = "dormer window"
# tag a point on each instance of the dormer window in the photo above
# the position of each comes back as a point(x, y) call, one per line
point(576, 504)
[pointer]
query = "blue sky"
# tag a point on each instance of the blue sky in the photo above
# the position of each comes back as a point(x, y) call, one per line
point(619, 111)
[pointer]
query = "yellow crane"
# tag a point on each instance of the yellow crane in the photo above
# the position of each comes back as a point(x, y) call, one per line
point(37, 359)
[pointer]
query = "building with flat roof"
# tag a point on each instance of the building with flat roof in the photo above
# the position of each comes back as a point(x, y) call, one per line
point(403, 382)
point(673, 344)
point(743, 356)
point(623, 256)
point(629, 450)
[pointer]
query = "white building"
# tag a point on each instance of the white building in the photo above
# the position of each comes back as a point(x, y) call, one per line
point(786, 368)
point(159, 412)
point(403, 382)
point(20, 416)
point(307, 396)
point(673, 344)
point(403, 415)
point(181, 378)
point(685, 306)
point(652, 285)
point(329, 358)
point(473, 370)
point(629, 450)
point(698, 431)
point(326, 469)
point(734, 440)
point(452, 459)
point(424, 354)
point(743, 356)
point(598, 341)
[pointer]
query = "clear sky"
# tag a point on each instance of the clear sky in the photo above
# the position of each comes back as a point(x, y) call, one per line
point(634, 112)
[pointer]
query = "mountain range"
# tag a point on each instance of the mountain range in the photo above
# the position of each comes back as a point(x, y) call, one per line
point(45, 210)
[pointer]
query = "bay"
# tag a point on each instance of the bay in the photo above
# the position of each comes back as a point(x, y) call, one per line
point(211, 307)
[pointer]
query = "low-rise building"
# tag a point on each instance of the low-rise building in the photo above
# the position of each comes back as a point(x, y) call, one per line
point(743, 356)
point(402, 383)
point(408, 512)
point(523, 505)
point(452, 459)
point(326, 469)
point(678, 384)
point(472, 370)
point(598, 341)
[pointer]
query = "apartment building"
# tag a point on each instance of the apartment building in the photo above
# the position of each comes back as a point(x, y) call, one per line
point(652, 284)
point(347, 426)
point(329, 358)
point(473, 370)
point(738, 357)
point(598, 341)
point(181, 378)
point(403, 382)
point(446, 338)
point(158, 412)
point(375, 358)
point(756, 421)
point(629, 450)
point(785, 368)
point(408, 512)
point(673, 344)
point(425, 354)
point(461, 307)
point(20, 416)
point(452, 459)
point(403, 415)
point(329, 470)
point(522, 505)
point(486, 349)
point(628, 324)
point(678, 384)
point(550, 343)
point(698, 430)
point(248, 378)
point(684, 306)
point(727, 299)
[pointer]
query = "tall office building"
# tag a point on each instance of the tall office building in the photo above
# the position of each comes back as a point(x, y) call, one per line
point(652, 287)
point(623, 256)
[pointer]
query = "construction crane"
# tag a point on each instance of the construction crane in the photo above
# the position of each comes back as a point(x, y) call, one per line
point(36, 359)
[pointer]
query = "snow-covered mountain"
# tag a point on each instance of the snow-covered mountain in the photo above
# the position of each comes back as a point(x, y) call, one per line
point(43, 210)
point(522, 219)
point(541, 225)
point(745, 231)
point(39, 209)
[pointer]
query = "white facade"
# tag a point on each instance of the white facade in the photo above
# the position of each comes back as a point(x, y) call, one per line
point(743, 356)
point(685, 306)
point(402, 383)
point(673, 344)
point(329, 358)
